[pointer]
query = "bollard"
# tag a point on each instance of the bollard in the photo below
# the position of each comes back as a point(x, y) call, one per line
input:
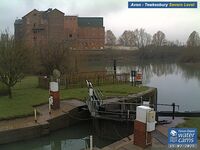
point(141, 101)
point(35, 114)
point(91, 142)
point(115, 68)
point(173, 113)
point(133, 74)
point(128, 114)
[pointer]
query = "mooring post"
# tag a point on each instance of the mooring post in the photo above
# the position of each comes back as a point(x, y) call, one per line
point(155, 102)
point(132, 75)
point(128, 114)
point(173, 114)
point(91, 142)
point(35, 115)
point(115, 68)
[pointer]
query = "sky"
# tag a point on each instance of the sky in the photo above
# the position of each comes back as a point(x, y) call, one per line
point(177, 24)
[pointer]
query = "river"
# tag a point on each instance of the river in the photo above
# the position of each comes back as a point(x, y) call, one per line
point(179, 83)
point(73, 138)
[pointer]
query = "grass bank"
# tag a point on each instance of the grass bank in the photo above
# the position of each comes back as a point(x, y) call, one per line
point(193, 122)
point(26, 95)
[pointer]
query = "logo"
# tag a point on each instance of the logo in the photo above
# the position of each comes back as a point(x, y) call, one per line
point(173, 133)
point(182, 138)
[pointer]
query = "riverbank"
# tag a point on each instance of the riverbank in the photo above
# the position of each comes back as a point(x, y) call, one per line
point(26, 95)
point(26, 128)
point(179, 54)
point(72, 111)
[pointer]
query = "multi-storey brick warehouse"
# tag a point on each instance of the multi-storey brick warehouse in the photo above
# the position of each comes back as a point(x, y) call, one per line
point(43, 27)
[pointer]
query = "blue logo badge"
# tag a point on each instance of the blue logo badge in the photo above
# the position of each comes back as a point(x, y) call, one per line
point(162, 4)
point(182, 137)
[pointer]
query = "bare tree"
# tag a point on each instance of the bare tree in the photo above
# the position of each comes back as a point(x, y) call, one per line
point(127, 38)
point(138, 38)
point(193, 39)
point(110, 38)
point(53, 57)
point(141, 38)
point(13, 61)
point(159, 39)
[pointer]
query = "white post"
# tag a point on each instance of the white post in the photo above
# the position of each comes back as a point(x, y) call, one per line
point(91, 93)
point(128, 114)
point(35, 114)
point(50, 103)
point(91, 142)
point(49, 108)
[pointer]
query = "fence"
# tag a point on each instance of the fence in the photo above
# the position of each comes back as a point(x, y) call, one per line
point(74, 80)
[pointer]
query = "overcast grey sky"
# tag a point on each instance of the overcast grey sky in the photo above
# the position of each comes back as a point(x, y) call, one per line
point(175, 23)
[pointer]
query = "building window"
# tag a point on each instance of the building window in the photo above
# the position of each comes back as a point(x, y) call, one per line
point(34, 14)
point(34, 24)
point(70, 35)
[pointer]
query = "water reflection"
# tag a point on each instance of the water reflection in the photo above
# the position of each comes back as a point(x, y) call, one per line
point(190, 71)
point(72, 138)
point(179, 83)
point(149, 70)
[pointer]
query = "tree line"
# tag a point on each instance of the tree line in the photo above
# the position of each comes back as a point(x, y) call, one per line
point(141, 39)
point(16, 60)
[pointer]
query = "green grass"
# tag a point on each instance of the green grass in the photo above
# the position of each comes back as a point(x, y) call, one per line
point(193, 122)
point(120, 90)
point(26, 94)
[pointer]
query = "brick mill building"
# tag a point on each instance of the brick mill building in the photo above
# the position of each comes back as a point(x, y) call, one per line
point(39, 28)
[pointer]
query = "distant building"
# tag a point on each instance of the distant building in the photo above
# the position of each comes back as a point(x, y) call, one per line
point(43, 27)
